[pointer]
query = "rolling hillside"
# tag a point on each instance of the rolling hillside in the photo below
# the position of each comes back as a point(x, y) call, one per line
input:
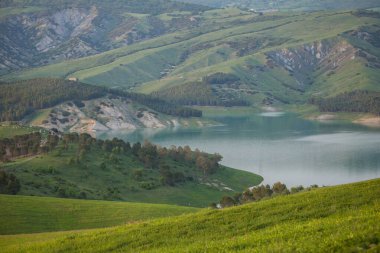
point(39, 214)
point(40, 32)
point(278, 58)
point(289, 5)
point(332, 219)
point(79, 166)
point(70, 106)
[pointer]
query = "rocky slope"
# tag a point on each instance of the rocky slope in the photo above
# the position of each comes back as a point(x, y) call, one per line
point(39, 33)
point(105, 114)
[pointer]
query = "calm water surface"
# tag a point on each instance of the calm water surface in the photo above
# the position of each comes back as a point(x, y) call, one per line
point(280, 147)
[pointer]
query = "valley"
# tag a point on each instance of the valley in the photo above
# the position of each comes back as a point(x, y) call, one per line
point(189, 126)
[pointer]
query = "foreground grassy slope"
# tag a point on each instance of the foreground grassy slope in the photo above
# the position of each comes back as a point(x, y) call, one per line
point(334, 219)
point(23, 214)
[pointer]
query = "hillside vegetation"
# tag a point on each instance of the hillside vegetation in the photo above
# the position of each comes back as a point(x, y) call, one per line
point(332, 219)
point(79, 166)
point(41, 214)
point(22, 98)
point(40, 32)
point(277, 58)
point(356, 101)
point(290, 5)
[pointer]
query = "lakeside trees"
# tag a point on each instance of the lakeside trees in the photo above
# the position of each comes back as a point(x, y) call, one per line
point(355, 101)
point(258, 193)
point(150, 156)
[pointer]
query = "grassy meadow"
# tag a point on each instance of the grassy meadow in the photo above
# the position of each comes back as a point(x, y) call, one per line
point(342, 218)
point(27, 214)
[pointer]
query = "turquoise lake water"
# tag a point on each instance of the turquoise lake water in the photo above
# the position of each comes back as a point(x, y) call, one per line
point(280, 147)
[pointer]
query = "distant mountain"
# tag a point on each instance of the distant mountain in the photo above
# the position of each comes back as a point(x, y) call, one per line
point(236, 57)
point(290, 4)
point(40, 32)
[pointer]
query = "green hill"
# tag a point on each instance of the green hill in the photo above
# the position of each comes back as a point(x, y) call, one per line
point(41, 32)
point(343, 218)
point(286, 5)
point(278, 58)
point(79, 166)
point(23, 214)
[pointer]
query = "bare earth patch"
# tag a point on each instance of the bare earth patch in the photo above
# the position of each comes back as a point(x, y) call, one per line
point(369, 121)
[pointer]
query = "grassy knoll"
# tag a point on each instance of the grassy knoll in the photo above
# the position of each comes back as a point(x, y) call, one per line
point(333, 219)
point(99, 174)
point(24, 214)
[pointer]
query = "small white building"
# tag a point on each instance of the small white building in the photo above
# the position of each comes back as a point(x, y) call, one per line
point(74, 79)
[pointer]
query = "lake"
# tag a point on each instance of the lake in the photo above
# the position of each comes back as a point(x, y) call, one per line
point(280, 147)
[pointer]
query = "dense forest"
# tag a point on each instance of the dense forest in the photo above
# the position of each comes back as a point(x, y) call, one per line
point(204, 93)
point(356, 101)
point(21, 98)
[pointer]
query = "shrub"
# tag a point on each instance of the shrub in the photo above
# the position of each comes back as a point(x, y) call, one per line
point(9, 184)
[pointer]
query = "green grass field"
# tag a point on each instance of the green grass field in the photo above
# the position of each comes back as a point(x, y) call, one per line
point(57, 174)
point(343, 218)
point(24, 214)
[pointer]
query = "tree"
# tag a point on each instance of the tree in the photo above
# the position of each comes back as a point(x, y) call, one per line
point(9, 184)
point(279, 189)
point(227, 202)
point(203, 164)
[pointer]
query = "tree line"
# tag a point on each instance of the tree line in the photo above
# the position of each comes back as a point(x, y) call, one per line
point(258, 193)
point(21, 98)
point(355, 101)
point(151, 156)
